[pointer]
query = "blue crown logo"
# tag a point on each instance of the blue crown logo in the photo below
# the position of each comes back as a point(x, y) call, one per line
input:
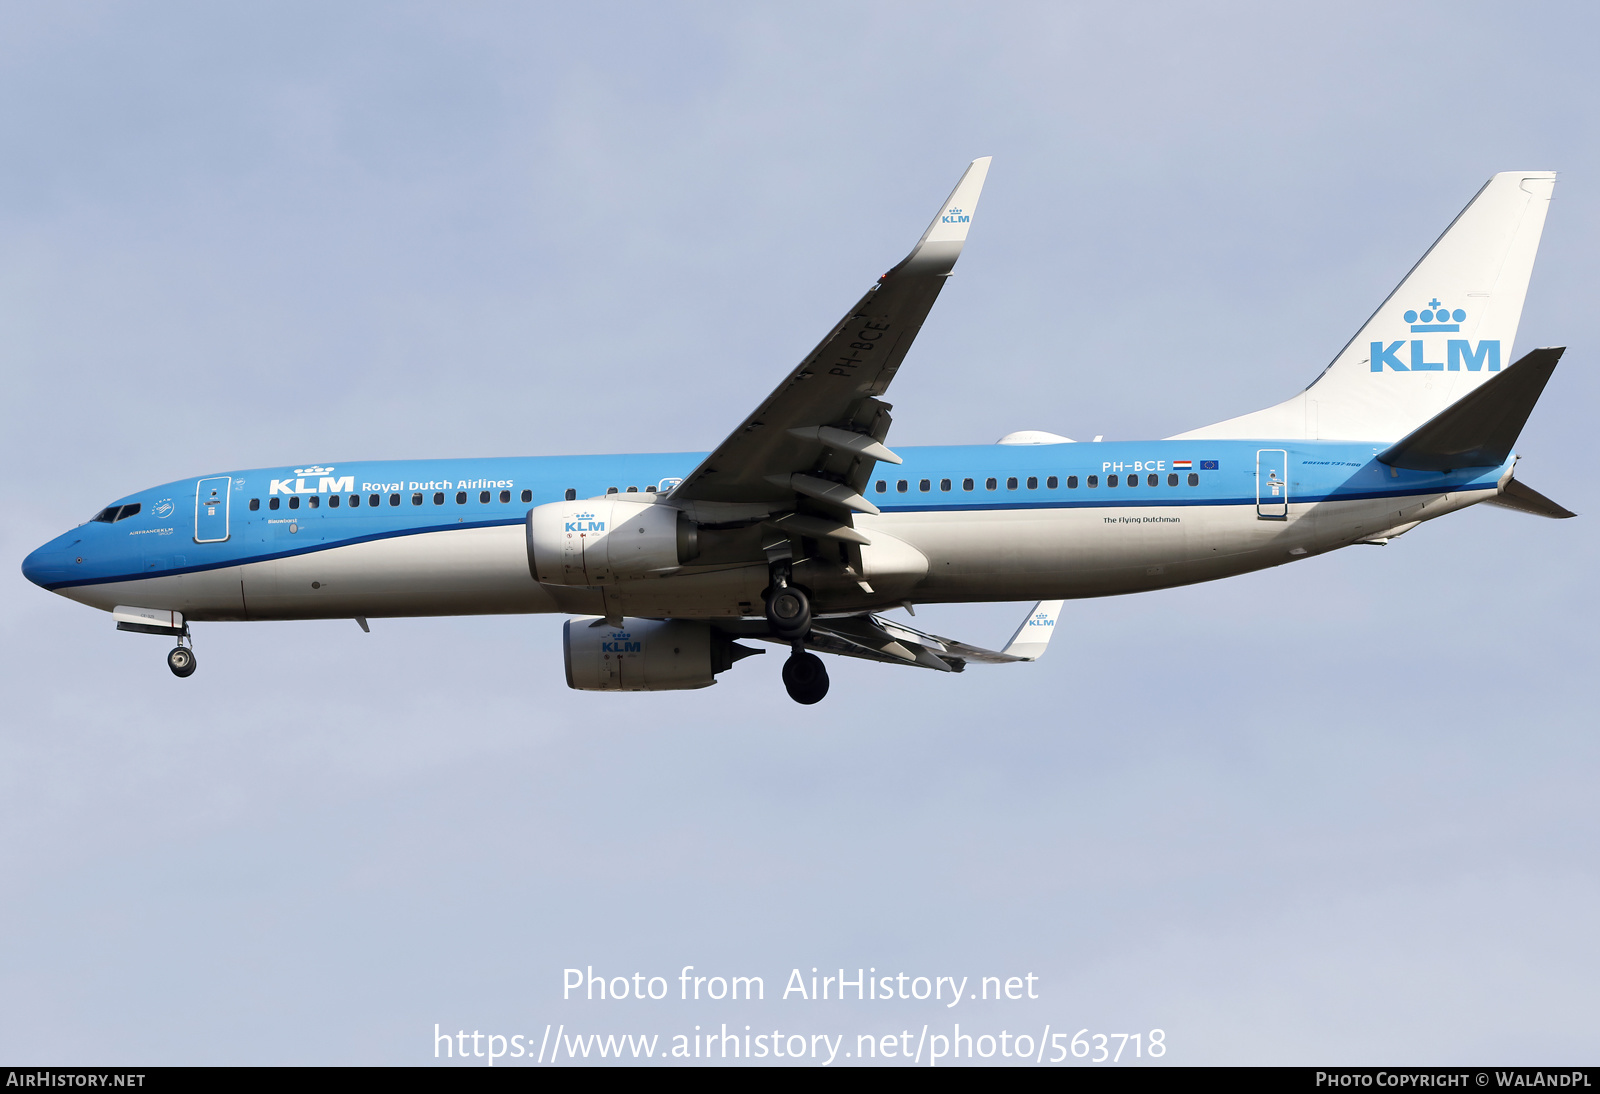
point(1435, 318)
point(583, 516)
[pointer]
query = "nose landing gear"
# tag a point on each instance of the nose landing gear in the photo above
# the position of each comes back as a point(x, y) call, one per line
point(805, 676)
point(181, 661)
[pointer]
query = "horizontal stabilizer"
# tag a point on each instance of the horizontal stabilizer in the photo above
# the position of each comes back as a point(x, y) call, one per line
point(1525, 499)
point(1480, 428)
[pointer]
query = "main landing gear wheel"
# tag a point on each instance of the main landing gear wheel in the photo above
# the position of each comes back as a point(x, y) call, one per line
point(789, 612)
point(181, 661)
point(805, 677)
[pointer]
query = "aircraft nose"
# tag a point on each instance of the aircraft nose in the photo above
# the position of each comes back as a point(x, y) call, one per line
point(50, 565)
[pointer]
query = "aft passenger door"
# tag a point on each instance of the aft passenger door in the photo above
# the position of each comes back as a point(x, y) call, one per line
point(211, 509)
point(1272, 484)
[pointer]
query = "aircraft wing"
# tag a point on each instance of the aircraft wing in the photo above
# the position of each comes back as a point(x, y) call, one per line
point(820, 432)
point(875, 638)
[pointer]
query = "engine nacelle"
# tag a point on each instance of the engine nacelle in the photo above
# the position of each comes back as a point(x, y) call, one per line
point(646, 654)
point(600, 542)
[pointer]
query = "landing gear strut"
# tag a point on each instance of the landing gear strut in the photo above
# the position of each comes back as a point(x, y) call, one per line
point(788, 606)
point(789, 620)
point(805, 676)
point(181, 661)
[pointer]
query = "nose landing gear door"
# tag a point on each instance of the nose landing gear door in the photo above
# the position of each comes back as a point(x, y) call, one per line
point(1272, 484)
point(211, 509)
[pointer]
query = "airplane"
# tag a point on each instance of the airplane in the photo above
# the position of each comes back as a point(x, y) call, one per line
point(803, 526)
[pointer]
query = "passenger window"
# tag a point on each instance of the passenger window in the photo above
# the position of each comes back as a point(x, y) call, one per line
point(902, 486)
point(1033, 483)
point(1111, 480)
point(1094, 481)
point(461, 497)
point(272, 503)
point(925, 486)
point(438, 499)
point(1133, 480)
point(966, 484)
point(944, 484)
point(483, 498)
point(611, 489)
point(1011, 483)
point(1152, 480)
point(505, 496)
point(1172, 480)
point(633, 489)
point(333, 502)
point(314, 501)
point(1194, 480)
point(527, 495)
point(1072, 482)
point(990, 484)
point(882, 486)
point(255, 503)
point(1052, 482)
point(394, 499)
point(355, 500)
point(649, 490)
point(416, 499)
point(294, 503)
point(373, 499)
point(572, 495)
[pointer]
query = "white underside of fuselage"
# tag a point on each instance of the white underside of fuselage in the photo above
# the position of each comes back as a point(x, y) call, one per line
point(987, 555)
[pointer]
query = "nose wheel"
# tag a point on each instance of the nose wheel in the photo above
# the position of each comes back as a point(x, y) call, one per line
point(805, 676)
point(181, 661)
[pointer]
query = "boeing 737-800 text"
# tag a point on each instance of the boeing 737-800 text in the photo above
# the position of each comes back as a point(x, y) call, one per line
point(803, 524)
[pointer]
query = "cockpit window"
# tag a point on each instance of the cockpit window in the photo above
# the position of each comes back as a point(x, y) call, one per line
point(113, 513)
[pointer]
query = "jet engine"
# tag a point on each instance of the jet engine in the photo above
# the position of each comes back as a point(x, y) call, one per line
point(646, 654)
point(600, 542)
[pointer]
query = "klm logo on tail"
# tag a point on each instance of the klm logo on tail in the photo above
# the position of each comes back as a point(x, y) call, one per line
point(1436, 318)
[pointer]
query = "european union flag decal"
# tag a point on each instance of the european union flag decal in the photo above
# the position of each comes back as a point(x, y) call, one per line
point(1208, 465)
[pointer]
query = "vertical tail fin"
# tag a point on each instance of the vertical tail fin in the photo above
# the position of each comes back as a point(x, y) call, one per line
point(1445, 330)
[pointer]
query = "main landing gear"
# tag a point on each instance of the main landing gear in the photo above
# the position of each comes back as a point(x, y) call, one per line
point(181, 661)
point(789, 618)
point(805, 676)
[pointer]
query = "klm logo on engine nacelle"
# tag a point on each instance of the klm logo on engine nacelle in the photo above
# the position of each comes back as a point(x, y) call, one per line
point(585, 522)
point(1436, 318)
point(620, 642)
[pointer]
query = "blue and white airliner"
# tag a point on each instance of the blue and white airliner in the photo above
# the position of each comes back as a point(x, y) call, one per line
point(803, 524)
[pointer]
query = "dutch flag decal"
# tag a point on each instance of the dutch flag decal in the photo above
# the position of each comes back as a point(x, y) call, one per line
point(1182, 465)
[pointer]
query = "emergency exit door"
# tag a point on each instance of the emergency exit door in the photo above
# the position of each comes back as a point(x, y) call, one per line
point(211, 509)
point(1272, 484)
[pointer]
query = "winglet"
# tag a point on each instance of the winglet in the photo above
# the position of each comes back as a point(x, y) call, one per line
point(936, 252)
point(1033, 636)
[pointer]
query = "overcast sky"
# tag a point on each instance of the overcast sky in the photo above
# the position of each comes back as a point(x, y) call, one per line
point(1338, 812)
